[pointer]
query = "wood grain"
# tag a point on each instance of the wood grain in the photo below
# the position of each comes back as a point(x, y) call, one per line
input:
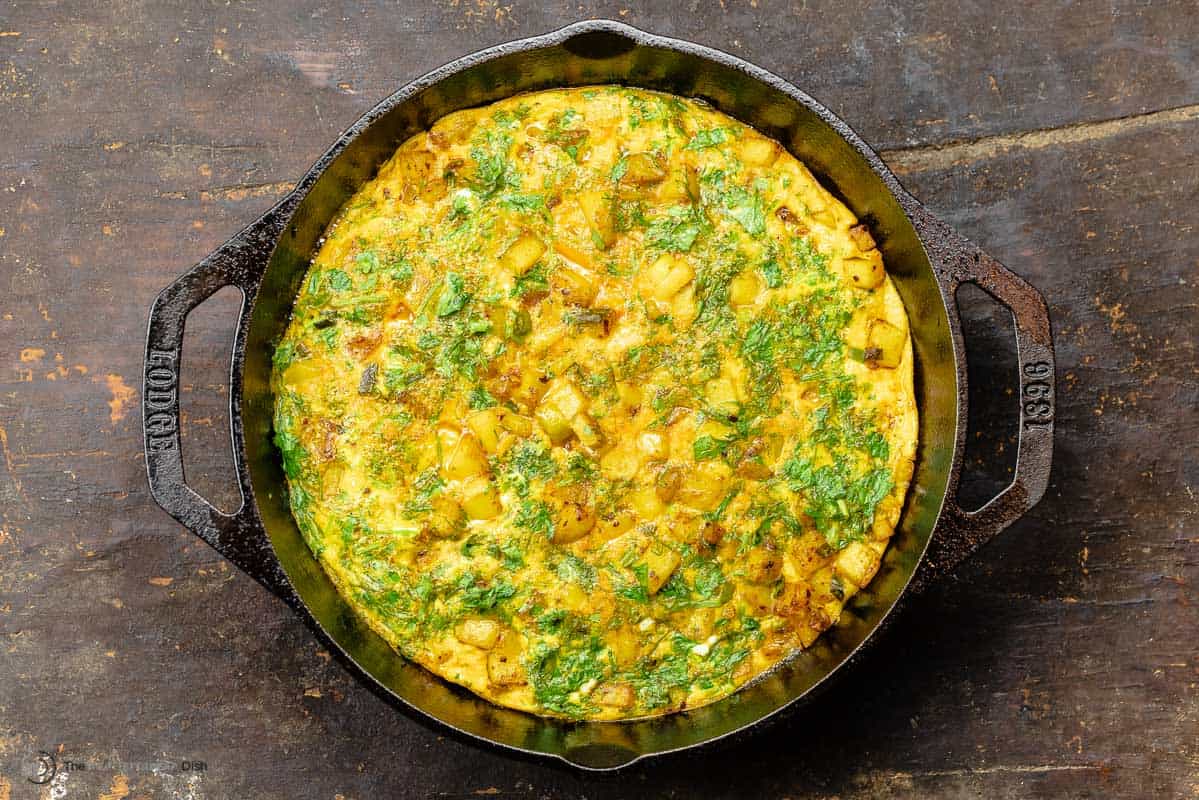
point(1064, 660)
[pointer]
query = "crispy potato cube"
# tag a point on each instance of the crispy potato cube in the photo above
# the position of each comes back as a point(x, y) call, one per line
point(653, 445)
point(485, 425)
point(503, 662)
point(646, 503)
point(587, 431)
point(757, 151)
point(861, 237)
point(478, 632)
point(792, 601)
point(665, 277)
point(857, 563)
point(744, 289)
point(566, 396)
point(480, 500)
point(522, 254)
point(642, 170)
point(884, 344)
point(305, 371)
point(684, 309)
point(758, 460)
point(620, 463)
point(553, 422)
point(763, 565)
point(630, 394)
point(865, 272)
point(614, 523)
point(661, 562)
point(577, 287)
point(461, 454)
point(722, 396)
point(615, 695)
point(667, 483)
point(704, 488)
point(573, 519)
point(573, 255)
point(597, 209)
point(517, 423)
point(419, 176)
point(758, 596)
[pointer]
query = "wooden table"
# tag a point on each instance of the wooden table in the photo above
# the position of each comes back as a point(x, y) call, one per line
point(1064, 660)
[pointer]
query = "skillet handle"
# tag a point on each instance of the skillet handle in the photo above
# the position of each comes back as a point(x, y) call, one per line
point(956, 260)
point(238, 536)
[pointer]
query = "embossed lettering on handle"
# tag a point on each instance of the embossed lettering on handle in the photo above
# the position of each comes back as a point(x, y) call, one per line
point(162, 395)
point(1037, 391)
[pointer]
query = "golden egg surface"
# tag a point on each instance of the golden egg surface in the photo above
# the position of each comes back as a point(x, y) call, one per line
point(596, 402)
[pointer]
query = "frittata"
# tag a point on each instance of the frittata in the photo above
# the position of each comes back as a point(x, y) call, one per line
point(595, 402)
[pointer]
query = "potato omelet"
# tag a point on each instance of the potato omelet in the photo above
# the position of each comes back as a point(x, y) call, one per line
point(596, 403)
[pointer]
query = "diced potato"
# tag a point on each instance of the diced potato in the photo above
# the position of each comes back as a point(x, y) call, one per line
point(614, 524)
point(577, 287)
point(642, 170)
point(704, 488)
point(597, 209)
point(420, 176)
point(722, 396)
point(517, 423)
point(758, 596)
point(447, 520)
point(630, 394)
point(478, 632)
point(693, 188)
point(862, 238)
point(620, 463)
point(744, 289)
point(588, 432)
point(461, 454)
point(480, 500)
point(667, 483)
point(792, 601)
point(503, 662)
point(646, 503)
point(305, 371)
point(884, 344)
point(857, 563)
point(711, 533)
point(763, 565)
point(615, 695)
point(674, 189)
point(758, 460)
point(661, 562)
point(563, 394)
point(757, 151)
point(573, 255)
point(683, 308)
point(866, 272)
point(625, 644)
point(573, 519)
point(665, 276)
point(653, 445)
point(485, 425)
point(553, 422)
point(522, 254)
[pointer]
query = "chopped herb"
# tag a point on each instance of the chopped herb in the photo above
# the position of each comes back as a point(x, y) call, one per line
point(337, 280)
point(708, 138)
point(453, 296)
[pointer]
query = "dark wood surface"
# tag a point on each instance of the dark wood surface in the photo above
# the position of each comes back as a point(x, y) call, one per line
point(1062, 662)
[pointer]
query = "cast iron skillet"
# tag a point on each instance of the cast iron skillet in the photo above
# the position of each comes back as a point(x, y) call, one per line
point(927, 260)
